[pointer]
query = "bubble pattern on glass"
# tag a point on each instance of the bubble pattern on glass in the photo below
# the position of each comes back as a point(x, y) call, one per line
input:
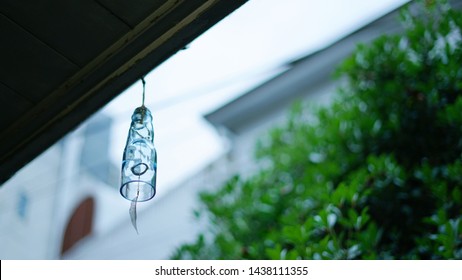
point(139, 165)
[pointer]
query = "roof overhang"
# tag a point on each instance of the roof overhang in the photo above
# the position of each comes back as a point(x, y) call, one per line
point(61, 61)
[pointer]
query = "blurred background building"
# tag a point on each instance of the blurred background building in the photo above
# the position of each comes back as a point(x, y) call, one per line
point(58, 199)
point(66, 203)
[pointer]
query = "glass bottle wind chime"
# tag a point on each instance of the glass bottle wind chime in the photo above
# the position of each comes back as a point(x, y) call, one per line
point(139, 163)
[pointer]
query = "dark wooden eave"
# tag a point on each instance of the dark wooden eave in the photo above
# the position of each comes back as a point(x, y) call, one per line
point(61, 61)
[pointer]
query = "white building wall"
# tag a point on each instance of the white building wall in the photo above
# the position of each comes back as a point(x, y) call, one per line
point(163, 224)
point(27, 209)
point(38, 201)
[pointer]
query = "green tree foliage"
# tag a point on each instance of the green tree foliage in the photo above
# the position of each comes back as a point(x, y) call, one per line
point(376, 175)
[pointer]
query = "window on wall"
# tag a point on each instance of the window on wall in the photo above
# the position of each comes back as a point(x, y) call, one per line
point(22, 205)
point(79, 225)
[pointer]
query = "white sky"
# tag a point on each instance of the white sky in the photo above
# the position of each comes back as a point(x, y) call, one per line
point(243, 49)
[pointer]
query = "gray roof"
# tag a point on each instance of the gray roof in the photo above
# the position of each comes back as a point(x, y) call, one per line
point(301, 75)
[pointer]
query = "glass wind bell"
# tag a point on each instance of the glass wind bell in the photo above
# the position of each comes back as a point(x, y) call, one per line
point(139, 164)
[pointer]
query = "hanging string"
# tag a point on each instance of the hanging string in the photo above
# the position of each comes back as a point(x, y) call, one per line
point(144, 89)
point(142, 100)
